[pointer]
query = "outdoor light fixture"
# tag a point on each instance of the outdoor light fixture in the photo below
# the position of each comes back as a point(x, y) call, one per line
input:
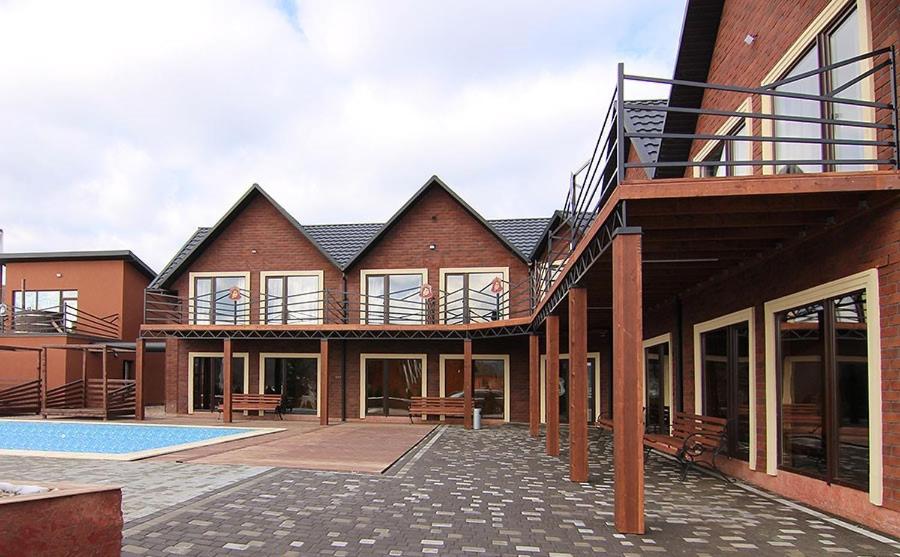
point(253, 251)
point(432, 247)
point(748, 40)
point(58, 275)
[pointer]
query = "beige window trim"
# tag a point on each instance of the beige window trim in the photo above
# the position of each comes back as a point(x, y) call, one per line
point(865, 280)
point(373, 356)
point(304, 355)
point(503, 272)
point(364, 274)
point(213, 274)
point(442, 360)
point(731, 123)
point(735, 318)
point(595, 356)
point(263, 275)
point(191, 355)
point(800, 46)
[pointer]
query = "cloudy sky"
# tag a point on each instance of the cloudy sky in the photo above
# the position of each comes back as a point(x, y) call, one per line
point(127, 125)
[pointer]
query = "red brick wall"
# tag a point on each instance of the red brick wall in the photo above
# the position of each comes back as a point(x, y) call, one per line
point(777, 25)
point(875, 244)
point(461, 241)
point(279, 247)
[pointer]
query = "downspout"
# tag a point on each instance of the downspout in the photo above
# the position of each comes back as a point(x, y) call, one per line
point(344, 350)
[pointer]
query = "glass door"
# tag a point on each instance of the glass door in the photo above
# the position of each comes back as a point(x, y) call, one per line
point(656, 362)
point(296, 379)
point(564, 390)
point(209, 383)
point(390, 384)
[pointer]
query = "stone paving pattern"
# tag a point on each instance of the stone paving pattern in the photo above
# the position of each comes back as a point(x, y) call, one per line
point(490, 493)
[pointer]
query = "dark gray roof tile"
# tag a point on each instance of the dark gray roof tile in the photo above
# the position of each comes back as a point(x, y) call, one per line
point(343, 241)
point(647, 121)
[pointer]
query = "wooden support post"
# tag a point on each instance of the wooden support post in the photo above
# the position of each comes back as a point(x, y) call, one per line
point(467, 383)
point(628, 381)
point(552, 388)
point(139, 346)
point(105, 383)
point(43, 372)
point(578, 382)
point(84, 378)
point(534, 387)
point(323, 362)
point(227, 364)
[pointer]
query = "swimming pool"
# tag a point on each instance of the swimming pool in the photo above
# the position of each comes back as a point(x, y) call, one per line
point(111, 441)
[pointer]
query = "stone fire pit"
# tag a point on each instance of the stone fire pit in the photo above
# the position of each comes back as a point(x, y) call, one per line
point(59, 518)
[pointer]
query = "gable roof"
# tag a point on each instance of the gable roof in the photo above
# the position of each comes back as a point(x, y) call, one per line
point(343, 243)
point(646, 121)
point(106, 255)
point(203, 237)
point(434, 181)
point(695, 50)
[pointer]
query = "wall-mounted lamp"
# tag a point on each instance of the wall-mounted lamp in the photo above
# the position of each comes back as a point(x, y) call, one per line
point(432, 247)
point(253, 251)
point(749, 39)
point(58, 275)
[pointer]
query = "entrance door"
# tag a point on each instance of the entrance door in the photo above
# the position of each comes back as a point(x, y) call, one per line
point(296, 379)
point(209, 383)
point(390, 384)
point(726, 383)
point(564, 390)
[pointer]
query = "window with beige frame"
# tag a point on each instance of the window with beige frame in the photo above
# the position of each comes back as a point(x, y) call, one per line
point(291, 297)
point(393, 296)
point(468, 294)
point(219, 298)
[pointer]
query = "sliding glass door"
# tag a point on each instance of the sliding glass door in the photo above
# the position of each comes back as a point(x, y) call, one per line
point(390, 383)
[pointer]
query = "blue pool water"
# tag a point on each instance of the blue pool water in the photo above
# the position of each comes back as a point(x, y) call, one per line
point(73, 437)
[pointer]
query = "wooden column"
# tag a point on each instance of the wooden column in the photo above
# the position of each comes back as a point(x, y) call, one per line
point(534, 387)
point(323, 363)
point(578, 385)
point(227, 364)
point(84, 378)
point(43, 373)
point(467, 382)
point(104, 361)
point(628, 381)
point(139, 346)
point(552, 387)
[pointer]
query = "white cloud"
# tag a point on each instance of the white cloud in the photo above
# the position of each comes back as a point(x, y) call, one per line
point(127, 125)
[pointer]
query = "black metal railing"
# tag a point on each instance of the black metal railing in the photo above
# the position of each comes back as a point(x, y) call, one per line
point(865, 139)
point(64, 319)
point(412, 306)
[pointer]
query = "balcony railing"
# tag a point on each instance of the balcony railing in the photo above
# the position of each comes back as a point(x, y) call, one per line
point(414, 306)
point(63, 319)
point(864, 138)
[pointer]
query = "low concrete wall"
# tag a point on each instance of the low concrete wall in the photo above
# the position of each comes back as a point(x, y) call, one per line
point(71, 519)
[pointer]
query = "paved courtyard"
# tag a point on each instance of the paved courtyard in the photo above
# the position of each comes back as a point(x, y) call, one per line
point(490, 492)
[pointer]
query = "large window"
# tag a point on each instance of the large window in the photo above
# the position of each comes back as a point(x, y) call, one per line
point(220, 300)
point(488, 383)
point(394, 298)
point(207, 382)
point(656, 368)
point(725, 361)
point(63, 303)
point(390, 383)
point(292, 299)
point(295, 378)
point(729, 151)
point(469, 296)
point(823, 389)
point(840, 41)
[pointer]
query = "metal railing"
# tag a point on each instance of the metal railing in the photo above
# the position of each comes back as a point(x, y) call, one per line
point(63, 319)
point(864, 139)
point(412, 306)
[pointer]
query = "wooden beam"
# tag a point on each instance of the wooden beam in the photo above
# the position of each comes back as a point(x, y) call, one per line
point(227, 364)
point(578, 380)
point(43, 372)
point(628, 379)
point(104, 362)
point(84, 379)
point(139, 346)
point(534, 387)
point(467, 383)
point(323, 362)
point(552, 387)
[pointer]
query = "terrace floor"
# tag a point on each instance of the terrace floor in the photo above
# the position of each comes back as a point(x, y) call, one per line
point(489, 492)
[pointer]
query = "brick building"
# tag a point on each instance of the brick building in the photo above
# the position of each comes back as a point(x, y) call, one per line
point(730, 251)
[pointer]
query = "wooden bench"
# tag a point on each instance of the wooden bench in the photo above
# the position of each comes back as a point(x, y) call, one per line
point(424, 406)
point(695, 441)
point(255, 403)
